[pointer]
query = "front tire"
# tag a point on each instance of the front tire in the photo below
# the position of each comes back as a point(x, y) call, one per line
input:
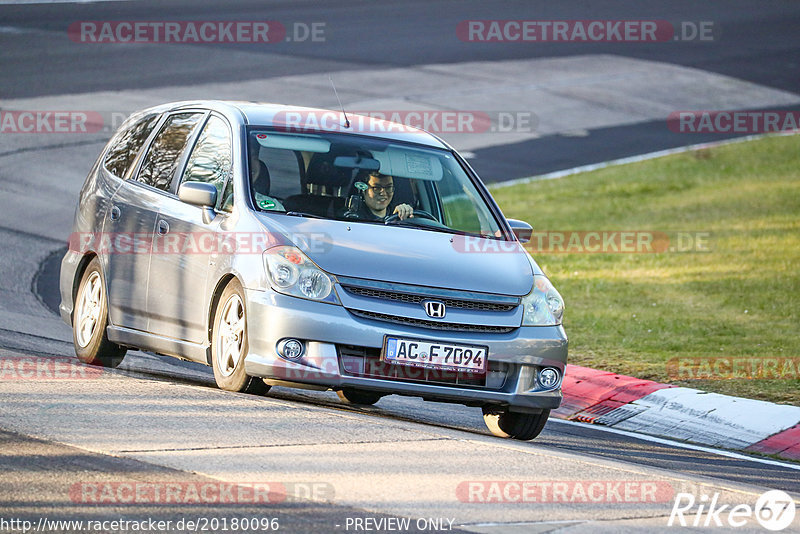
point(90, 319)
point(358, 396)
point(229, 343)
point(522, 426)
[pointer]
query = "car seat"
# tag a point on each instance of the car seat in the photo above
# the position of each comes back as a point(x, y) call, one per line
point(324, 184)
point(262, 182)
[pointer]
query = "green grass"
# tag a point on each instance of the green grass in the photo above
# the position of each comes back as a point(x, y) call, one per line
point(632, 313)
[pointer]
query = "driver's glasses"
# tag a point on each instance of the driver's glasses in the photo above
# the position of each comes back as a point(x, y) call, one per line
point(378, 189)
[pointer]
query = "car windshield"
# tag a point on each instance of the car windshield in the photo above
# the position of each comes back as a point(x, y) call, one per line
point(361, 179)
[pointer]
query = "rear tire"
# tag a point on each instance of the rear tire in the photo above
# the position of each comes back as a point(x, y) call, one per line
point(358, 396)
point(229, 343)
point(90, 319)
point(522, 426)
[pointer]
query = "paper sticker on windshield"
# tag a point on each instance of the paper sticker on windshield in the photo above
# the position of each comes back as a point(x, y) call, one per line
point(410, 163)
point(266, 204)
point(419, 165)
point(361, 186)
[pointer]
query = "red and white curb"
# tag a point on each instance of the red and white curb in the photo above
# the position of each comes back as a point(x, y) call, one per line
point(679, 413)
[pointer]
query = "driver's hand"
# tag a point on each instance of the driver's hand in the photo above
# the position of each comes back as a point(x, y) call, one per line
point(404, 211)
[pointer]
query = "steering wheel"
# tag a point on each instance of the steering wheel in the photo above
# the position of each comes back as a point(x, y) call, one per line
point(417, 213)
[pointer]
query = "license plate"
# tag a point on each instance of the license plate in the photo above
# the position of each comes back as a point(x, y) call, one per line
point(433, 355)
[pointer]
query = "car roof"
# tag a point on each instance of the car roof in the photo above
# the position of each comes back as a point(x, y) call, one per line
point(310, 119)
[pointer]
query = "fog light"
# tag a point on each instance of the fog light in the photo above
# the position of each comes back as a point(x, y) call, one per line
point(291, 349)
point(549, 377)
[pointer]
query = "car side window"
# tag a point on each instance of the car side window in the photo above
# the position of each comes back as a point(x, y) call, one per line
point(211, 160)
point(165, 152)
point(127, 144)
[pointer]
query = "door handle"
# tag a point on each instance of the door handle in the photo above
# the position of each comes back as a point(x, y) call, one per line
point(116, 213)
point(163, 227)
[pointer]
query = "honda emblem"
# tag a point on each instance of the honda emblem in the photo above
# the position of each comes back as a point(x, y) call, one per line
point(434, 308)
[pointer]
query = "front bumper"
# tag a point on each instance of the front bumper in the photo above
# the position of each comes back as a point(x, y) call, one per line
point(328, 329)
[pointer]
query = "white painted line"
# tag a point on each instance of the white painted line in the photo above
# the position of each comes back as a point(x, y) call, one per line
point(680, 445)
point(634, 159)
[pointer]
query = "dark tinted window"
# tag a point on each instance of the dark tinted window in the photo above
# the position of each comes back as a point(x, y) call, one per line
point(211, 158)
point(165, 152)
point(126, 145)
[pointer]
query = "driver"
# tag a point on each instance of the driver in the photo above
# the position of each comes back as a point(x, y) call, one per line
point(378, 198)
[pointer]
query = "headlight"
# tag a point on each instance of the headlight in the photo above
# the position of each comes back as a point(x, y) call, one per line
point(291, 272)
point(543, 306)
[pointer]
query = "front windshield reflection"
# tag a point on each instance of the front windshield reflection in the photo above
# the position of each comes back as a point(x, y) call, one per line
point(364, 180)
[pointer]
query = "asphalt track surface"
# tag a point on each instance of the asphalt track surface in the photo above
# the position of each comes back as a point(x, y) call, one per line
point(754, 42)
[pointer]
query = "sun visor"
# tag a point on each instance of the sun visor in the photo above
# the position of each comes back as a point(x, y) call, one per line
point(304, 143)
point(410, 163)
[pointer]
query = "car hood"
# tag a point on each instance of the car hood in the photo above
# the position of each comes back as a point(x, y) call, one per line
point(407, 255)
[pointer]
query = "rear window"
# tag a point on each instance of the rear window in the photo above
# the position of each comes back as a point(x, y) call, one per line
point(126, 145)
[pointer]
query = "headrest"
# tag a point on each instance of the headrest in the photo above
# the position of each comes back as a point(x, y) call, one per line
point(322, 171)
point(261, 182)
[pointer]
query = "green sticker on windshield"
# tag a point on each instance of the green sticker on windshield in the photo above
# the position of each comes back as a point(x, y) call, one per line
point(266, 204)
point(361, 186)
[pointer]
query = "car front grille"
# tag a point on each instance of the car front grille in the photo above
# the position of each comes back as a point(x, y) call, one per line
point(434, 325)
point(413, 298)
point(366, 362)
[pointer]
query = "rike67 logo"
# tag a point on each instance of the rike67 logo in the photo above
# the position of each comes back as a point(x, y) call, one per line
point(774, 510)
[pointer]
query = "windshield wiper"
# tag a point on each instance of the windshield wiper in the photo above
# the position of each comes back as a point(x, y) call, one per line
point(303, 214)
point(406, 224)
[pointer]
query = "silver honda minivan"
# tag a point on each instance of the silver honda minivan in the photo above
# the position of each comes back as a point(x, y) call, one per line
point(303, 247)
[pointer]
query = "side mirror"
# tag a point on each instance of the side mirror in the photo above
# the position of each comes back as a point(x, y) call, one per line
point(521, 229)
point(200, 194)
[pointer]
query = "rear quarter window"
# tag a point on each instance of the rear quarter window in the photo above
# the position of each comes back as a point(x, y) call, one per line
point(126, 145)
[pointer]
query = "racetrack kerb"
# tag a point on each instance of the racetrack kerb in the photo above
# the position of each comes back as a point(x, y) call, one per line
point(641, 314)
